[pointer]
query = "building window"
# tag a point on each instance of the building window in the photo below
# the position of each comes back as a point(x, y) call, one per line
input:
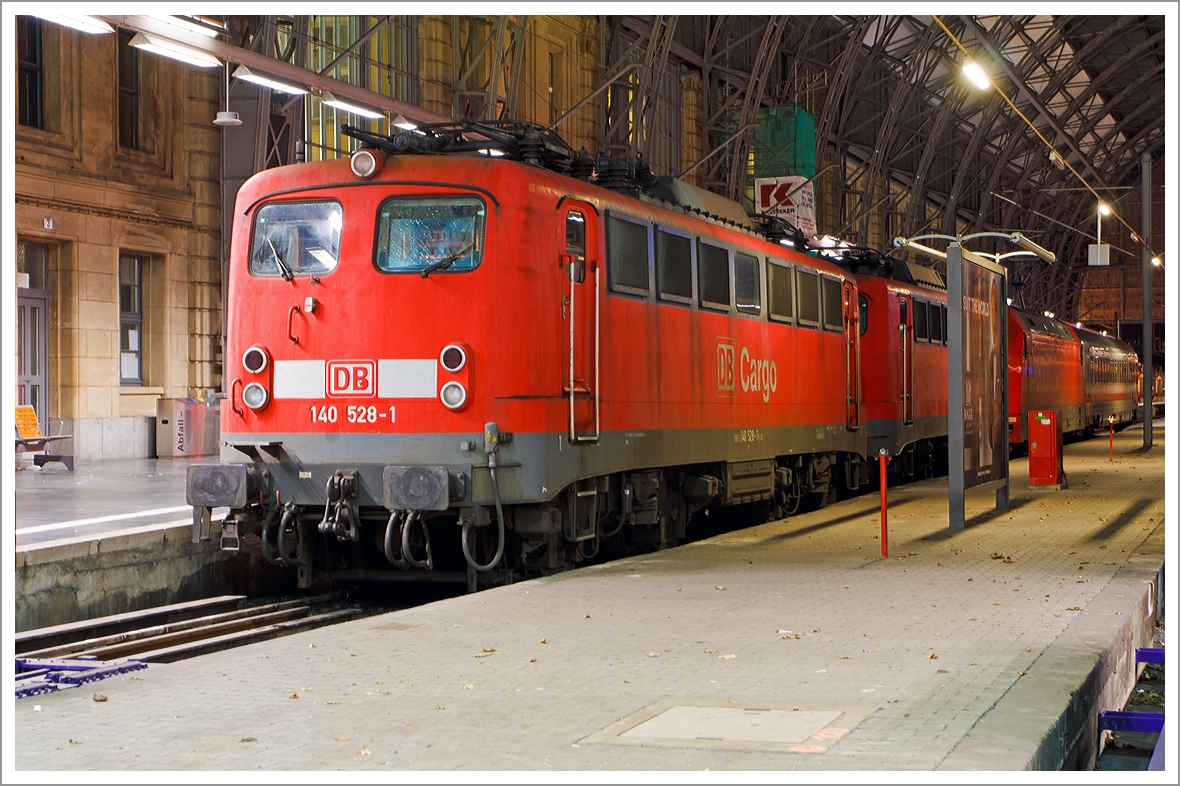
point(130, 319)
point(128, 62)
point(30, 75)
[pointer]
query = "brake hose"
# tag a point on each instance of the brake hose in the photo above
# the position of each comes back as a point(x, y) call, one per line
point(407, 555)
point(499, 522)
point(395, 561)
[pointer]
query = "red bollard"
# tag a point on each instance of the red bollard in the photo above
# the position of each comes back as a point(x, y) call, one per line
point(884, 521)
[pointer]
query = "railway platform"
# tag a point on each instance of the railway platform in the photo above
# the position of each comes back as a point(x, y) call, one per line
point(787, 646)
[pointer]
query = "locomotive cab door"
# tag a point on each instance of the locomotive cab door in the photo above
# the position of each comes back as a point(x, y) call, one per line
point(580, 308)
point(852, 357)
point(906, 339)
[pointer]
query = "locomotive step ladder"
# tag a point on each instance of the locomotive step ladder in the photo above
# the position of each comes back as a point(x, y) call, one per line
point(30, 439)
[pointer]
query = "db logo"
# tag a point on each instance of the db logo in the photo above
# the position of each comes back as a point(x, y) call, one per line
point(725, 355)
point(351, 377)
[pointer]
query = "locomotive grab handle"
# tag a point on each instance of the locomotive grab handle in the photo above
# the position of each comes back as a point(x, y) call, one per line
point(294, 310)
point(232, 398)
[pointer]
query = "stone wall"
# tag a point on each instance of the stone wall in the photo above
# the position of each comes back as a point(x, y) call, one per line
point(89, 199)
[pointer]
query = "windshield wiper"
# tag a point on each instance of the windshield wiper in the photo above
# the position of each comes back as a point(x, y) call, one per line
point(284, 271)
point(446, 262)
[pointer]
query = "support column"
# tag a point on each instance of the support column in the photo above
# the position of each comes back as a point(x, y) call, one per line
point(692, 137)
point(1148, 326)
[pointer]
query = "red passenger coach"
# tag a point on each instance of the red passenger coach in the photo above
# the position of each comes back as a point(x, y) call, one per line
point(455, 363)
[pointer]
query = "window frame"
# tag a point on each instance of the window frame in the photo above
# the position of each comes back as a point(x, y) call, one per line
point(132, 317)
point(481, 239)
point(692, 265)
point(790, 271)
point(128, 92)
point(756, 312)
point(295, 274)
point(819, 310)
point(612, 285)
point(921, 334)
point(823, 307)
point(714, 306)
point(31, 72)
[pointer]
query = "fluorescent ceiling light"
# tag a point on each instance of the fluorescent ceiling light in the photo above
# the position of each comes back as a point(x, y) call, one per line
point(185, 24)
point(87, 24)
point(403, 123)
point(266, 80)
point(162, 46)
point(976, 75)
point(351, 106)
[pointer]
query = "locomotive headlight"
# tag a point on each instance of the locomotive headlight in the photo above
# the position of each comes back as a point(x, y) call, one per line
point(255, 396)
point(366, 162)
point(255, 360)
point(453, 395)
point(453, 358)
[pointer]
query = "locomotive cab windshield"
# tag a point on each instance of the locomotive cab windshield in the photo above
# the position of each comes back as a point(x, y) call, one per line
point(430, 234)
point(296, 239)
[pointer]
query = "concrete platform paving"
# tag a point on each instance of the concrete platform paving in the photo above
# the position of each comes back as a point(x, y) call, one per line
point(99, 498)
point(977, 650)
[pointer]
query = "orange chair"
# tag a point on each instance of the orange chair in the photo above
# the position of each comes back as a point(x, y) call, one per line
point(30, 439)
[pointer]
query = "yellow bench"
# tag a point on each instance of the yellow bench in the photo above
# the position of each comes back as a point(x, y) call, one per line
point(30, 439)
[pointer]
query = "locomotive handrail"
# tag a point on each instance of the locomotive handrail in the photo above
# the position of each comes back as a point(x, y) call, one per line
point(294, 309)
point(232, 398)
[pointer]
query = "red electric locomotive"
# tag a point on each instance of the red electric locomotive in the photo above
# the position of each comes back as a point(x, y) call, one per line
point(433, 355)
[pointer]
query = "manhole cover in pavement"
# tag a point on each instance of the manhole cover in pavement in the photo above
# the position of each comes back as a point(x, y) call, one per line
point(734, 726)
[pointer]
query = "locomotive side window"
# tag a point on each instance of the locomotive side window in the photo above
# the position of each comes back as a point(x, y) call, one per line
point(921, 309)
point(296, 239)
point(575, 244)
point(863, 314)
point(673, 266)
point(937, 316)
point(780, 286)
point(747, 284)
point(808, 298)
point(627, 255)
point(833, 319)
point(430, 234)
point(713, 264)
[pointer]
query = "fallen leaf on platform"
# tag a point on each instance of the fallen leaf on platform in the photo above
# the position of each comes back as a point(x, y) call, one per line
point(248, 739)
point(1072, 608)
point(544, 641)
point(1021, 673)
point(307, 688)
point(342, 739)
point(333, 702)
point(587, 616)
point(718, 587)
point(441, 707)
point(868, 650)
point(934, 656)
point(532, 660)
point(311, 646)
point(99, 697)
point(847, 586)
point(266, 656)
point(1009, 561)
point(468, 687)
point(380, 682)
point(726, 657)
point(943, 671)
point(653, 654)
point(998, 603)
point(370, 693)
point(365, 751)
point(973, 663)
point(75, 742)
point(710, 652)
point(456, 625)
point(845, 657)
point(1029, 649)
point(138, 678)
point(294, 695)
point(489, 649)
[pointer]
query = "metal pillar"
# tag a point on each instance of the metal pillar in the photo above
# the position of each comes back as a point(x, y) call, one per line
point(1148, 326)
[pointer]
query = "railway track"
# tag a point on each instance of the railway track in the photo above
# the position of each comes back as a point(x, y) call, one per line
point(184, 630)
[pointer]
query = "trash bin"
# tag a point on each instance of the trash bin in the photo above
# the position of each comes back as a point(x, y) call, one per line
point(187, 427)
